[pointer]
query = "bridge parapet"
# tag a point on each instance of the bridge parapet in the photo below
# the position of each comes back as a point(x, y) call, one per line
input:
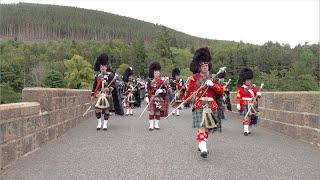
point(44, 114)
point(296, 114)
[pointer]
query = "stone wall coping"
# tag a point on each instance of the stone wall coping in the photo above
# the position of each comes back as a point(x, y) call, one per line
point(18, 105)
point(22, 109)
point(54, 89)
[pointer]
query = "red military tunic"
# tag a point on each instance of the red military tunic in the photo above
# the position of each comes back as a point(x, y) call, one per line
point(245, 92)
point(152, 87)
point(204, 96)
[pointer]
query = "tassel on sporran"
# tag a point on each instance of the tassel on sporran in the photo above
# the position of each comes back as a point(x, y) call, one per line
point(102, 102)
point(131, 98)
point(208, 120)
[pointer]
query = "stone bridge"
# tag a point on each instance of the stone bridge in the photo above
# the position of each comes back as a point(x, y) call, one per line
point(46, 137)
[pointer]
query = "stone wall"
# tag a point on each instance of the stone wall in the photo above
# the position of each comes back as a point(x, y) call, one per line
point(44, 115)
point(296, 114)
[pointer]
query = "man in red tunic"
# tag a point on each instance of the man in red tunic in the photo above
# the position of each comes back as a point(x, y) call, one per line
point(246, 95)
point(205, 89)
point(178, 88)
point(157, 96)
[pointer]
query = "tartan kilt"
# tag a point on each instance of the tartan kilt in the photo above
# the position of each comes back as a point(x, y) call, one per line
point(129, 105)
point(245, 110)
point(253, 117)
point(197, 117)
point(176, 104)
point(130, 101)
point(164, 102)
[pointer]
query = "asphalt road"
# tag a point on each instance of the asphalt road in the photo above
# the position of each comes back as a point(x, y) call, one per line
point(129, 151)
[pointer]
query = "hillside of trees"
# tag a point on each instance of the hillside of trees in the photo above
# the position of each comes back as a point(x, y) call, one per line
point(67, 62)
point(49, 22)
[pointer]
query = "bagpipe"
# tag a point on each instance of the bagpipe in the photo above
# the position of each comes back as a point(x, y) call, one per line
point(226, 96)
point(195, 93)
point(102, 101)
point(177, 92)
point(253, 107)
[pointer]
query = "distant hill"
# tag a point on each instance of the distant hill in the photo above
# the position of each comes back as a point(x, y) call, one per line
point(50, 22)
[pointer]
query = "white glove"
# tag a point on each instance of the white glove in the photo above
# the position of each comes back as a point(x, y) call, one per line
point(238, 107)
point(147, 100)
point(259, 93)
point(159, 91)
point(209, 83)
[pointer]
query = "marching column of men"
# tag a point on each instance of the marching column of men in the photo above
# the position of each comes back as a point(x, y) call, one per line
point(209, 94)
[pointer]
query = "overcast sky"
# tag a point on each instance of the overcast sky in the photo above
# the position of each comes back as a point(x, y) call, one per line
point(252, 21)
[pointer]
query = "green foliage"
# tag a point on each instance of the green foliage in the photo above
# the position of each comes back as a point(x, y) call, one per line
point(49, 22)
point(162, 43)
point(79, 72)
point(299, 78)
point(74, 38)
point(122, 68)
point(185, 73)
point(271, 80)
point(166, 66)
point(181, 57)
point(139, 60)
point(8, 95)
point(54, 79)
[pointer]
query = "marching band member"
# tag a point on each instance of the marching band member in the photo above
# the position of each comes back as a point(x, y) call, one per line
point(157, 96)
point(178, 87)
point(103, 89)
point(204, 89)
point(246, 99)
point(130, 90)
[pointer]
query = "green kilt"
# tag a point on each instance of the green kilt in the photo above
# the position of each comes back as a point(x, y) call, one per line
point(245, 111)
point(197, 118)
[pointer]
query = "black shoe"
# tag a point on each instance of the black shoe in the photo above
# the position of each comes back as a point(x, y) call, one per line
point(157, 128)
point(204, 154)
point(98, 129)
point(246, 134)
point(200, 150)
point(249, 133)
point(105, 129)
point(150, 129)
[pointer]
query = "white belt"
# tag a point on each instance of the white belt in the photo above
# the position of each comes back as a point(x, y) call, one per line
point(206, 99)
point(247, 99)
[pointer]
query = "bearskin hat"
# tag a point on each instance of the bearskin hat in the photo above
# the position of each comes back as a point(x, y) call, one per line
point(127, 73)
point(175, 72)
point(221, 75)
point(101, 60)
point(201, 55)
point(154, 65)
point(245, 74)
